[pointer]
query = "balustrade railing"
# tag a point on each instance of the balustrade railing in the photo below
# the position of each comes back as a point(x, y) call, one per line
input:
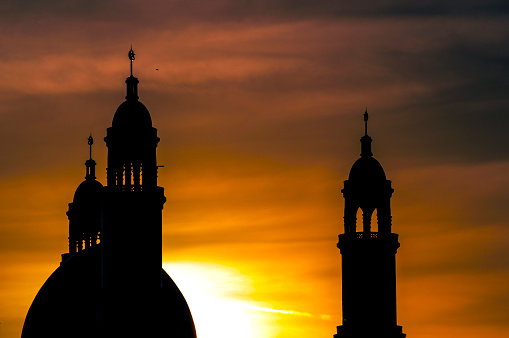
point(366, 235)
point(369, 235)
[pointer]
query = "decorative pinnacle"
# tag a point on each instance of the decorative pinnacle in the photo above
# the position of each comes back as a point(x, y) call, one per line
point(131, 57)
point(366, 140)
point(131, 81)
point(90, 142)
point(366, 122)
point(90, 163)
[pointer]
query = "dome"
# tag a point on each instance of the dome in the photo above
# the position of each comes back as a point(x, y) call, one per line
point(70, 302)
point(367, 168)
point(88, 191)
point(132, 114)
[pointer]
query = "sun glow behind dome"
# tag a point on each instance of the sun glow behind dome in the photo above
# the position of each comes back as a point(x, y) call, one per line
point(219, 299)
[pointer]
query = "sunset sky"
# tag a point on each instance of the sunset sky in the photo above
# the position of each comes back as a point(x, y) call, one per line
point(258, 104)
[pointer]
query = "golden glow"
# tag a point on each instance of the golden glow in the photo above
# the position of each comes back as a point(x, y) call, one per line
point(219, 299)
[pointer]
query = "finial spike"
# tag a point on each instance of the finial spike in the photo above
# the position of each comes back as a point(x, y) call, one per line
point(366, 140)
point(366, 122)
point(131, 57)
point(90, 163)
point(90, 142)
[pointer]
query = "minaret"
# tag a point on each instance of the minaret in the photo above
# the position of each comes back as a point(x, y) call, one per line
point(132, 218)
point(368, 257)
point(85, 211)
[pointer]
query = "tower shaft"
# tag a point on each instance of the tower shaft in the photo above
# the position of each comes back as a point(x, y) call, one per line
point(369, 286)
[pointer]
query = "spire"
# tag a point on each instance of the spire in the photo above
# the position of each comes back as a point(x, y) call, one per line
point(366, 122)
point(90, 163)
point(131, 81)
point(366, 140)
point(131, 57)
point(90, 142)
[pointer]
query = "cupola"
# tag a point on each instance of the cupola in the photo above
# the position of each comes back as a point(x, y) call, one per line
point(368, 189)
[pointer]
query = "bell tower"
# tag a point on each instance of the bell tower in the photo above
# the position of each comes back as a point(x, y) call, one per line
point(132, 219)
point(368, 257)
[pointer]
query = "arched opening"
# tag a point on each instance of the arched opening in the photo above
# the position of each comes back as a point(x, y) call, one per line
point(373, 226)
point(359, 226)
point(132, 176)
point(374, 221)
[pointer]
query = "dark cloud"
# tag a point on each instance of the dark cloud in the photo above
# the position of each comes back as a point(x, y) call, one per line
point(58, 8)
point(227, 10)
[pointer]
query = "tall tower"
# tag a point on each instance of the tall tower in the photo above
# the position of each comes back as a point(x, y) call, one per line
point(132, 218)
point(368, 257)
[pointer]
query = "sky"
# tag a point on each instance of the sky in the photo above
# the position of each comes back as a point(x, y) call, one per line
point(259, 107)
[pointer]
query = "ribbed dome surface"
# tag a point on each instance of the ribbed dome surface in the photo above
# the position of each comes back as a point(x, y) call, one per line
point(367, 168)
point(132, 114)
point(70, 304)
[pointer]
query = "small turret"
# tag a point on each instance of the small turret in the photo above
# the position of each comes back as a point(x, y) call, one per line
point(85, 211)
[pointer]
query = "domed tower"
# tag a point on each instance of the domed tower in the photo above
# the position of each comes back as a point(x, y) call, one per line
point(132, 218)
point(132, 203)
point(368, 257)
point(111, 282)
point(85, 211)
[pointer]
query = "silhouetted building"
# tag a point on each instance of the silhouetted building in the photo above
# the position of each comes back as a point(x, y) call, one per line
point(111, 282)
point(368, 257)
